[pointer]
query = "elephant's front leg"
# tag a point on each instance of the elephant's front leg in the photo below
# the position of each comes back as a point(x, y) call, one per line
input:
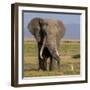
point(55, 58)
point(45, 64)
point(58, 62)
point(42, 61)
point(54, 64)
point(39, 59)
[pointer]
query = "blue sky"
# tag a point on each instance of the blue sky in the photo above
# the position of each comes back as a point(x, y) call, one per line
point(71, 22)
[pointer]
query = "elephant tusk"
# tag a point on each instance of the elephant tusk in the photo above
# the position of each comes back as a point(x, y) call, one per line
point(41, 51)
point(41, 55)
point(57, 52)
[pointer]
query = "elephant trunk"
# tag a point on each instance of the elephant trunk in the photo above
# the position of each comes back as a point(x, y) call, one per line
point(42, 48)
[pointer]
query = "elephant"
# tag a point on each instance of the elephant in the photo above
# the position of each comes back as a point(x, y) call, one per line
point(48, 34)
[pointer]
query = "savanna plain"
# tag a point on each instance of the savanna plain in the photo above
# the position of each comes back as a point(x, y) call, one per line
point(69, 64)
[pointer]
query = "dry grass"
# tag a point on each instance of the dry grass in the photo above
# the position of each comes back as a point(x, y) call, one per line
point(70, 59)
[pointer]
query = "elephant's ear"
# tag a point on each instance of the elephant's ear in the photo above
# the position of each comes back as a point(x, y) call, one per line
point(30, 27)
point(34, 26)
point(61, 25)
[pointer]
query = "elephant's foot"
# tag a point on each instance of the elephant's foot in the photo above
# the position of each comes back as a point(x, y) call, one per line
point(54, 66)
point(42, 68)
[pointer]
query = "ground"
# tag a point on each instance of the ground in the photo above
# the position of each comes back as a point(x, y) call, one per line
point(69, 54)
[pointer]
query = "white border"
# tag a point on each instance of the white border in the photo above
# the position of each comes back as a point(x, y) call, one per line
point(33, 80)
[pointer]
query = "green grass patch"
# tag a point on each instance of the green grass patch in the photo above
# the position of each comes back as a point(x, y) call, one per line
point(70, 57)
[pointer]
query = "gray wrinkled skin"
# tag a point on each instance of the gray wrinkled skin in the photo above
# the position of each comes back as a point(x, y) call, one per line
point(48, 33)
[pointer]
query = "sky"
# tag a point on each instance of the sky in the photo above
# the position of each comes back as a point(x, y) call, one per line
point(71, 22)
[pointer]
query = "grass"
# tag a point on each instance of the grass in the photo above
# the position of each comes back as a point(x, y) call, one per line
point(70, 59)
